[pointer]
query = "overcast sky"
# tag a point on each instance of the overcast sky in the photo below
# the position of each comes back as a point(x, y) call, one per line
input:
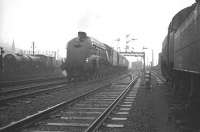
point(51, 23)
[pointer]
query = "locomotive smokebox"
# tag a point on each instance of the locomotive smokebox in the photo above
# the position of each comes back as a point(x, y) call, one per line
point(82, 35)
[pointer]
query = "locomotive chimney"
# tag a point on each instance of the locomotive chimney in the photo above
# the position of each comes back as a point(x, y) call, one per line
point(82, 35)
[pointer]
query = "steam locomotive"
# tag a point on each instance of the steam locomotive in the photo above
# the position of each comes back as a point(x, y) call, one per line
point(88, 57)
point(19, 66)
point(180, 57)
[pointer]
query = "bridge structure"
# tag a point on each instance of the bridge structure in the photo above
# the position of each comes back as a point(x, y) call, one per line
point(135, 54)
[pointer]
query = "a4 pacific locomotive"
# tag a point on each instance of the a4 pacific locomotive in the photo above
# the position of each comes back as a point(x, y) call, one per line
point(88, 57)
point(180, 58)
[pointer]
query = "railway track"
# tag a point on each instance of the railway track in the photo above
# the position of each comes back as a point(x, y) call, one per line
point(24, 91)
point(11, 93)
point(28, 90)
point(88, 112)
point(28, 81)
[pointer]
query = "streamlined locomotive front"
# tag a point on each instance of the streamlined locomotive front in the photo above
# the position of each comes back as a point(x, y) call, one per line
point(78, 50)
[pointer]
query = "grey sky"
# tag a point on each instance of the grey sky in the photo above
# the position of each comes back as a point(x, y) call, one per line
point(51, 23)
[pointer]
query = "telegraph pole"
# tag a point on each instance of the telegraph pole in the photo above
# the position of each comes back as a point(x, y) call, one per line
point(33, 46)
point(144, 62)
point(152, 58)
point(1, 58)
